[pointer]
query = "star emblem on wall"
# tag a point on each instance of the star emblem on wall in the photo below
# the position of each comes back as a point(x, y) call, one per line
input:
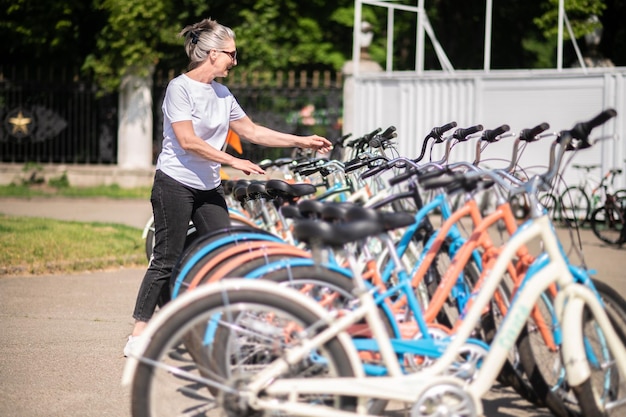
point(20, 124)
point(32, 124)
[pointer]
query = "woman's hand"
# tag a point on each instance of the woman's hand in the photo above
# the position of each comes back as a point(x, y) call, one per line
point(316, 142)
point(247, 167)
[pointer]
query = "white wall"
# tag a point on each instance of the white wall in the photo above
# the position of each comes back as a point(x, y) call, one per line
point(522, 99)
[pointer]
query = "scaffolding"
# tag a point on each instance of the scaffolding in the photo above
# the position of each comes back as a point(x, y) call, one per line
point(424, 29)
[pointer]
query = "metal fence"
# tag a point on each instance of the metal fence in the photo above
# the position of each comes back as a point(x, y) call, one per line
point(55, 116)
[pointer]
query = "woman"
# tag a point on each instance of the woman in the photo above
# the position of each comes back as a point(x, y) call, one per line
point(198, 112)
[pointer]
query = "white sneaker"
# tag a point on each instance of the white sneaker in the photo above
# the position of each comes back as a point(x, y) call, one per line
point(131, 345)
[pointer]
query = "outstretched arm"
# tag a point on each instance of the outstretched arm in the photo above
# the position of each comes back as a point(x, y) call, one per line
point(261, 135)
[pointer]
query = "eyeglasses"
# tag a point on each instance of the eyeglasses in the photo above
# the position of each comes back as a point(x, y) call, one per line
point(231, 54)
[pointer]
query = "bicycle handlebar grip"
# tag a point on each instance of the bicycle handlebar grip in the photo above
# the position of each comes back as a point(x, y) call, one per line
point(582, 130)
point(402, 177)
point(389, 132)
point(267, 163)
point(492, 134)
point(463, 133)
point(342, 139)
point(310, 171)
point(370, 135)
point(530, 135)
point(438, 131)
point(437, 182)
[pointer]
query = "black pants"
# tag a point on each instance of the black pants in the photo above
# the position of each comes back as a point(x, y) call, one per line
point(173, 205)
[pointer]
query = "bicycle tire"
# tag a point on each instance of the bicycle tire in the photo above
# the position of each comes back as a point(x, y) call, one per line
point(614, 303)
point(607, 223)
point(551, 204)
point(234, 257)
point(206, 239)
point(542, 364)
point(620, 194)
point(201, 243)
point(603, 394)
point(575, 206)
point(544, 368)
point(157, 392)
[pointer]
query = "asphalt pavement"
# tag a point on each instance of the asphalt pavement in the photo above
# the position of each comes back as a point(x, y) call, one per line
point(61, 336)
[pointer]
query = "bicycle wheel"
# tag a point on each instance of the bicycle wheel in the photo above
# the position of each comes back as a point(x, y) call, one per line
point(575, 206)
point(541, 360)
point(175, 372)
point(236, 257)
point(543, 364)
point(614, 304)
point(333, 291)
point(620, 195)
point(603, 394)
point(607, 223)
point(199, 249)
point(550, 203)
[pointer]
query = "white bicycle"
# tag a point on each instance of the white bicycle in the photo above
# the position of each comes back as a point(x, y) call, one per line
point(250, 347)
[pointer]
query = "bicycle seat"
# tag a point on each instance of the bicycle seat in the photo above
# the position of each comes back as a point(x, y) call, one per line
point(228, 186)
point(311, 209)
point(240, 190)
point(333, 212)
point(282, 189)
point(256, 190)
point(291, 212)
point(387, 220)
point(314, 232)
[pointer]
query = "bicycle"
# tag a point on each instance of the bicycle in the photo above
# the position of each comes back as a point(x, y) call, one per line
point(607, 221)
point(321, 350)
point(242, 265)
point(579, 201)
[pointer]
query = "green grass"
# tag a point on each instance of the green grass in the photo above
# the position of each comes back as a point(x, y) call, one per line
point(42, 246)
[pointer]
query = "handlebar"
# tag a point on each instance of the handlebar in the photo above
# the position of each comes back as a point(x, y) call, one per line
point(462, 133)
point(492, 134)
point(531, 135)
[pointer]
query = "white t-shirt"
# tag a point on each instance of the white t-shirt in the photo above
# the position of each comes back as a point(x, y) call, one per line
point(210, 107)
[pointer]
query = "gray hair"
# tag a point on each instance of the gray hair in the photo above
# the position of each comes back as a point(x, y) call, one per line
point(203, 36)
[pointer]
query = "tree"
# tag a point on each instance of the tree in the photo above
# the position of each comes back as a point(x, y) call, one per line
point(110, 38)
point(129, 44)
point(44, 32)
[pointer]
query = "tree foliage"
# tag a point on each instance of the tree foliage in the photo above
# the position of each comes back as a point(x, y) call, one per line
point(130, 41)
point(48, 31)
point(578, 12)
point(111, 38)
